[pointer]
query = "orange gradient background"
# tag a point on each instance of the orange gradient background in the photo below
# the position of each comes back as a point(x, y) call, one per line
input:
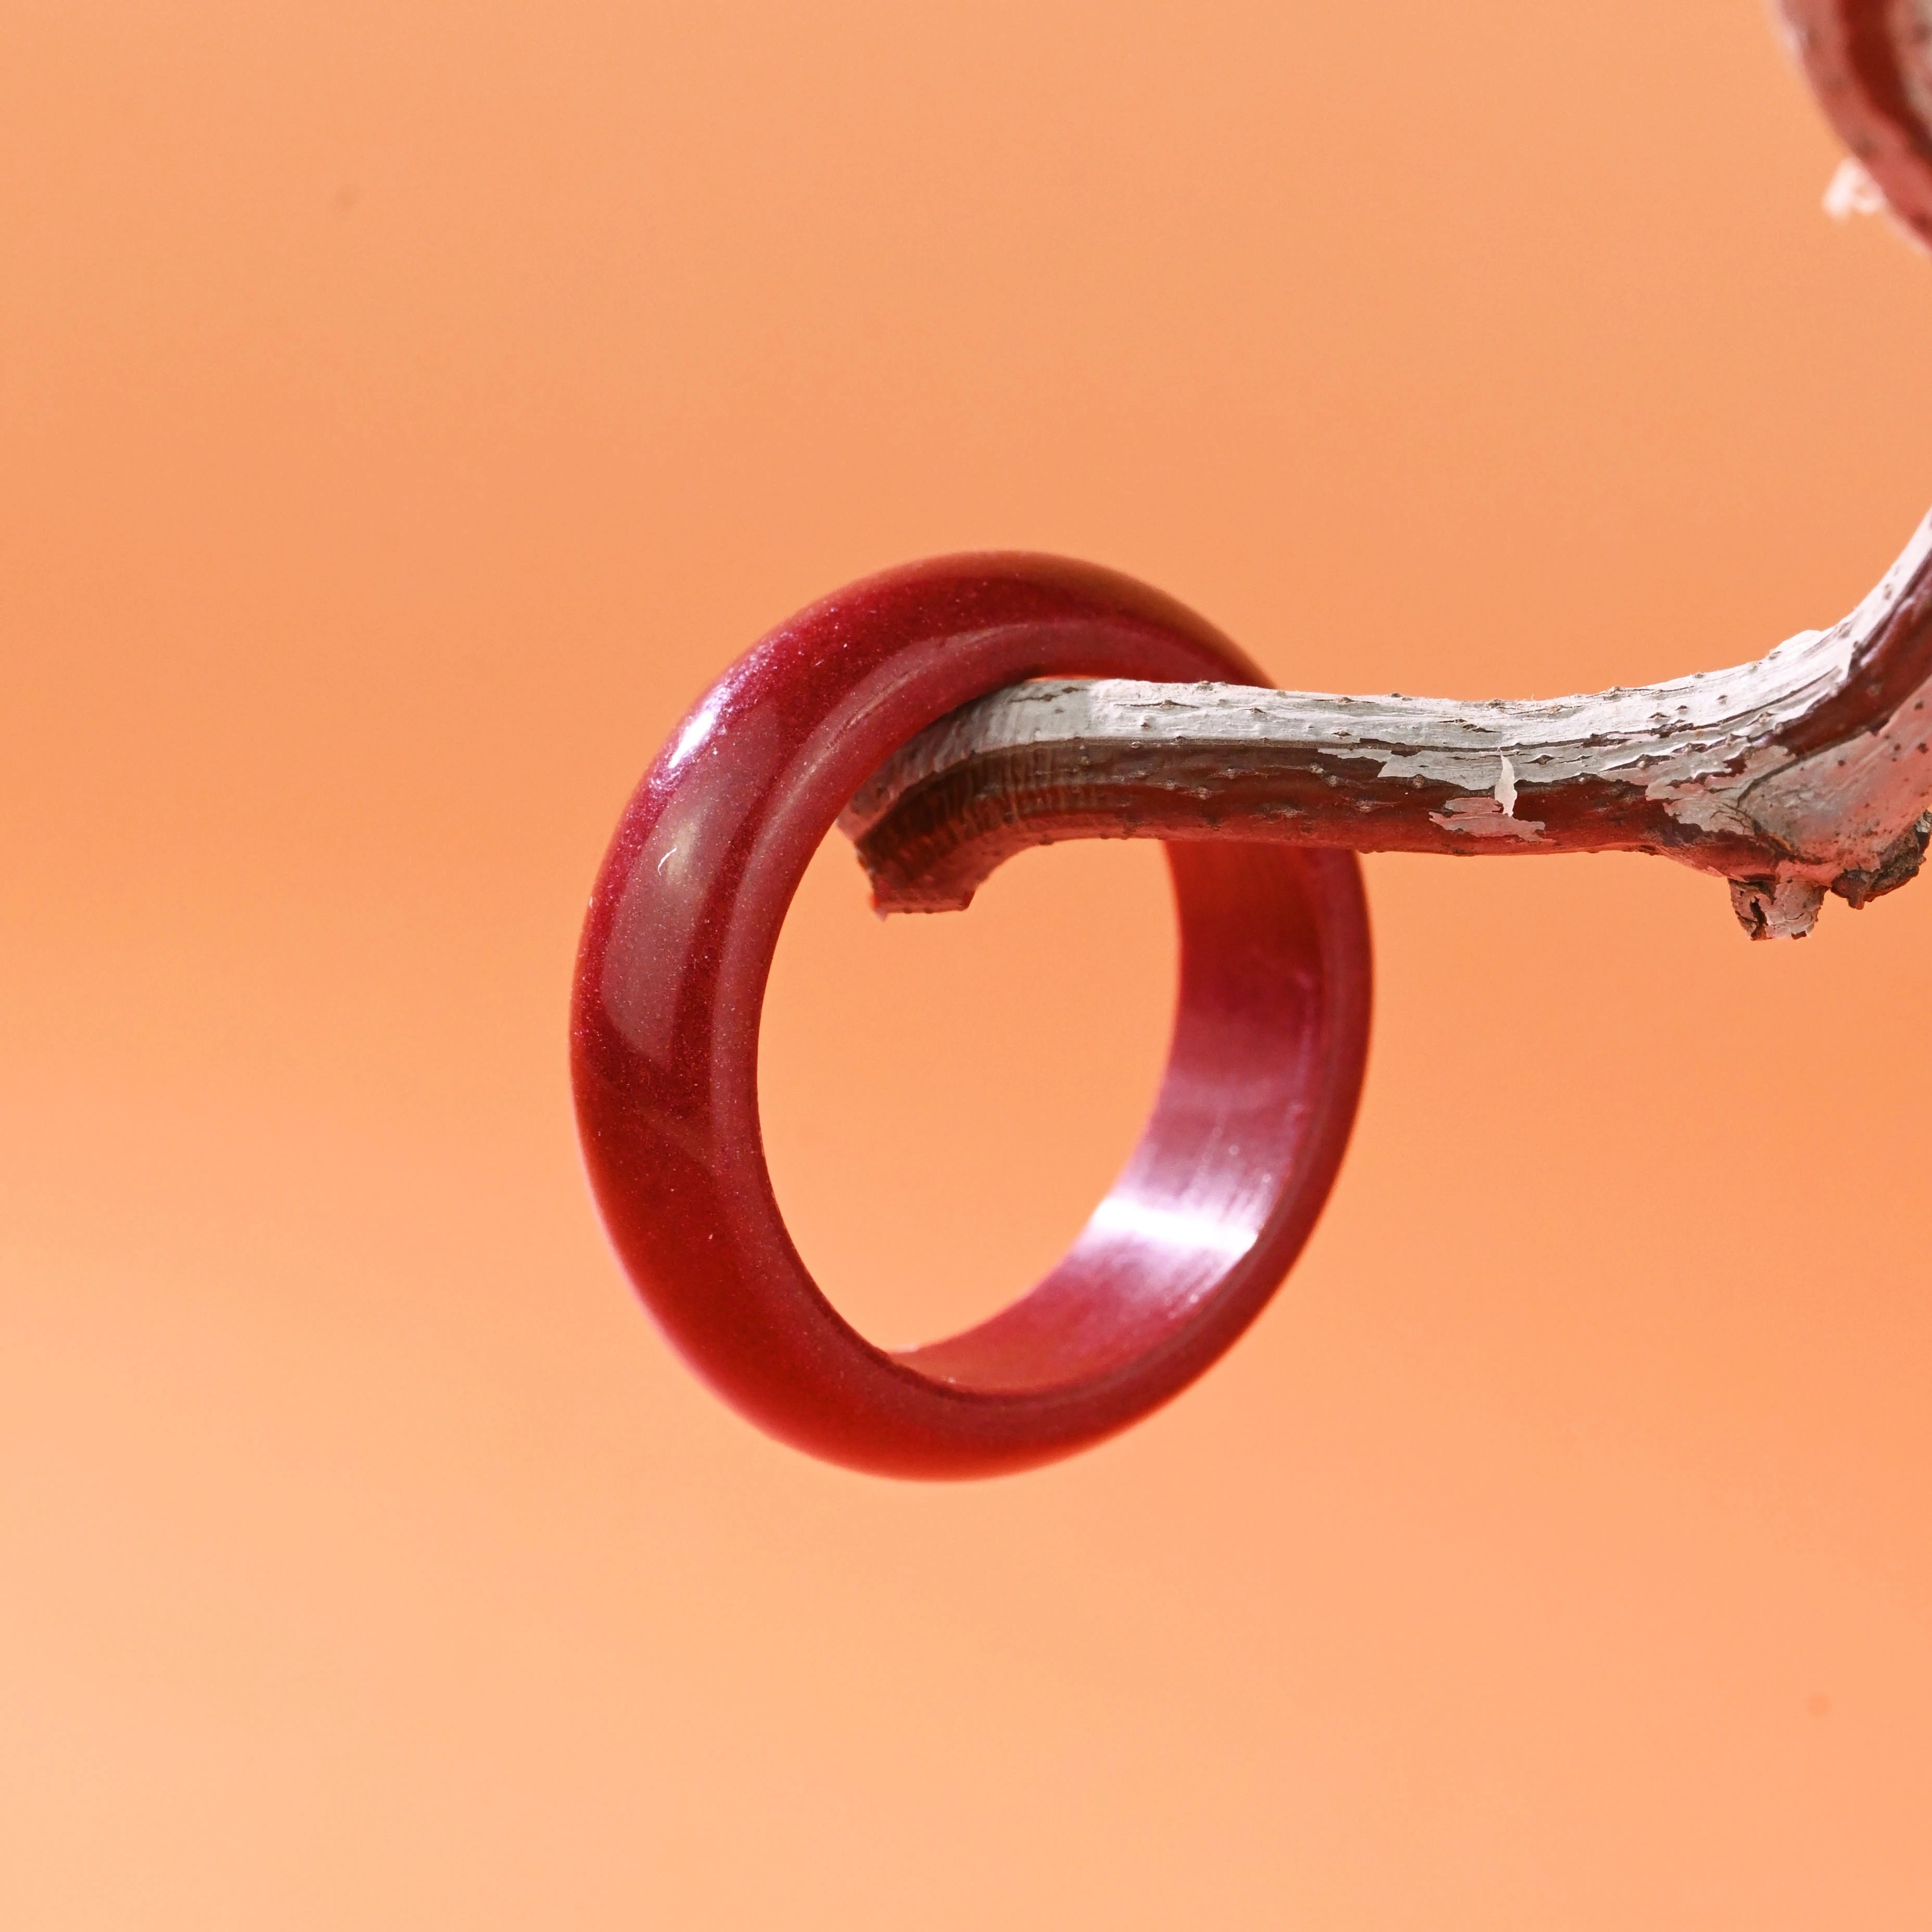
point(406, 411)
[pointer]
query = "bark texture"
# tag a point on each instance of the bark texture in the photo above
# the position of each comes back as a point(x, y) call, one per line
point(1805, 772)
point(1870, 63)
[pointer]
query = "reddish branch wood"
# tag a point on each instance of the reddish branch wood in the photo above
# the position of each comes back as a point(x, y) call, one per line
point(1807, 771)
point(1870, 63)
point(1804, 773)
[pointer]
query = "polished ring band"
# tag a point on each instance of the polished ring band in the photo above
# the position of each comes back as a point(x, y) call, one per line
point(1236, 1158)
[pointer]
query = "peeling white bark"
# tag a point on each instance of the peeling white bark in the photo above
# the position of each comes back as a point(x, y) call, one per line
point(1806, 771)
point(1870, 63)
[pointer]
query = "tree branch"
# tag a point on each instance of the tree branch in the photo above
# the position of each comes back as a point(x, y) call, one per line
point(1806, 771)
point(1869, 64)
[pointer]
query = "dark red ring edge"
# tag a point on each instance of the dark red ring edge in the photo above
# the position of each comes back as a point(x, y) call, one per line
point(1254, 1113)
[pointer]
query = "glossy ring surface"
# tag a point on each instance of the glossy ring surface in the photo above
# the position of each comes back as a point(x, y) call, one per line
point(1245, 1138)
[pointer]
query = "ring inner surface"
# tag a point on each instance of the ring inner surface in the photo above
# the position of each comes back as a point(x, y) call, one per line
point(1214, 1170)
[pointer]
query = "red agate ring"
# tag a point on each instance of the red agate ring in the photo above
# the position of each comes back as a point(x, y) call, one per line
point(1246, 1133)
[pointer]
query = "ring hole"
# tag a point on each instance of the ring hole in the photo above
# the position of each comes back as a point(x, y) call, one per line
point(946, 1098)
